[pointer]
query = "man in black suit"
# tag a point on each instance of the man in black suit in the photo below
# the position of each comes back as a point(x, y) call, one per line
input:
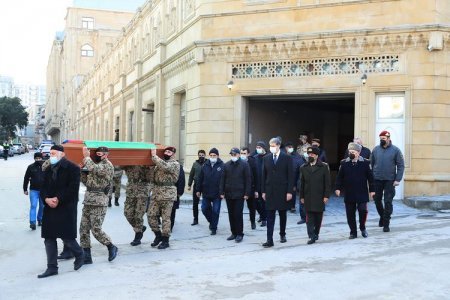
point(277, 188)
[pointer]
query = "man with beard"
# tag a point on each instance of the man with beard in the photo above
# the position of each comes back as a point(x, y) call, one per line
point(59, 220)
point(164, 194)
point(314, 192)
point(35, 176)
point(97, 176)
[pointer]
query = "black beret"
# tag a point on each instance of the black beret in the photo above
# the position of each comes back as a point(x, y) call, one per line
point(102, 149)
point(170, 148)
point(57, 148)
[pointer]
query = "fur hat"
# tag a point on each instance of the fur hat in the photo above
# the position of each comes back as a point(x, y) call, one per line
point(354, 146)
point(57, 148)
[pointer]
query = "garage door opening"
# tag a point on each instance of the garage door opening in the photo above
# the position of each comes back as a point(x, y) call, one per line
point(328, 117)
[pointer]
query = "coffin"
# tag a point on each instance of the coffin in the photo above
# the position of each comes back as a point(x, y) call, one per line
point(120, 153)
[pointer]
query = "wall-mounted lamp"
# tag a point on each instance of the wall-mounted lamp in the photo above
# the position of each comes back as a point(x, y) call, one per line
point(364, 79)
point(230, 84)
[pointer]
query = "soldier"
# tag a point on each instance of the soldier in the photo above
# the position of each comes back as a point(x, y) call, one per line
point(138, 190)
point(98, 179)
point(164, 193)
point(117, 180)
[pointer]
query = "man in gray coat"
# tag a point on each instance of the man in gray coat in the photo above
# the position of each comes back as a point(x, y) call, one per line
point(388, 166)
point(314, 191)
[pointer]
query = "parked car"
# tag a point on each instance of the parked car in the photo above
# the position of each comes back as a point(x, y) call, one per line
point(18, 148)
point(10, 153)
point(45, 152)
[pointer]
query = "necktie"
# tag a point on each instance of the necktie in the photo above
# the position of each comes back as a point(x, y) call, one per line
point(274, 158)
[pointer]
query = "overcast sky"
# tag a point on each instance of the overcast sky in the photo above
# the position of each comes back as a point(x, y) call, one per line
point(27, 30)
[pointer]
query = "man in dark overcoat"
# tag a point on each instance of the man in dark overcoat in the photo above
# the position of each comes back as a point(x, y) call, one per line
point(354, 177)
point(277, 186)
point(60, 194)
point(314, 191)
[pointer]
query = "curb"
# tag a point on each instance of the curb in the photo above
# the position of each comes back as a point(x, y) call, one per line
point(433, 203)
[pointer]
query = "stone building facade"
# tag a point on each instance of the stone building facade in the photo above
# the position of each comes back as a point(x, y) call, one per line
point(197, 74)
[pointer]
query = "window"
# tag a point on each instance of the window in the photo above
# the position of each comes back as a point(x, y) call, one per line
point(130, 126)
point(87, 50)
point(87, 23)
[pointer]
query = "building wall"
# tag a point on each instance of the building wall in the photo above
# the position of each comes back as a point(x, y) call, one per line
point(174, 50)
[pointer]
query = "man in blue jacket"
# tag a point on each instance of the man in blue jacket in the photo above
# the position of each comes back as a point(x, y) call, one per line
point(388, 166)
point(208, 186)
point(35, 176)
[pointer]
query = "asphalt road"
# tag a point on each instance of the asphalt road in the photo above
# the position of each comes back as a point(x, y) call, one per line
point(410, 262)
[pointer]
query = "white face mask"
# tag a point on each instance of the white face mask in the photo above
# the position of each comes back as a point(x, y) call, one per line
point(259, 150)
point(290, 150)
point(54, 160)
point(273, 150)
point(243, 157)
point(234, 158)
point(213, 160)
point(305, 155)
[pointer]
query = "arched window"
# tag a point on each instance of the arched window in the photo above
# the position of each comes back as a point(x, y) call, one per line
point(87, 50)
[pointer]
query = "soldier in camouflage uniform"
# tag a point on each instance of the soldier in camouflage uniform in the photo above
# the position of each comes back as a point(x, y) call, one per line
point(97, 177)
point(138, 190)
point(164, 193)
point(117, 181)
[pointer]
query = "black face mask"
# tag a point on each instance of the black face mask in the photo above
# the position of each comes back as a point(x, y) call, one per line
point(201, 159)
point(352, 156)
point(167, 157)
point(38, 162)
point(97, 158)
point(310, 159)
point(382, 143)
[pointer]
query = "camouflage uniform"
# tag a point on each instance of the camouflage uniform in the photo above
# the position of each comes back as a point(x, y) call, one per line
point(138, 190)
point(97, 181)
point(117, 180)
point(164, 193)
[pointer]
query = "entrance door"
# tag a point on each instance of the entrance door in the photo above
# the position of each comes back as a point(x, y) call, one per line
point(391, 117)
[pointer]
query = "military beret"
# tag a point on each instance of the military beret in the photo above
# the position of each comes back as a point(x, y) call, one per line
point(385, 133)
point(170, 148)
point(57, 148)
point(102, 149)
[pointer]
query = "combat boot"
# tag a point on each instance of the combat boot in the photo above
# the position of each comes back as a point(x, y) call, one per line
point(112, 252)
point(109, 202)
point(116, 202)
point(157, 240)
point(137, 238)
point(165, 243)
point(87, 256)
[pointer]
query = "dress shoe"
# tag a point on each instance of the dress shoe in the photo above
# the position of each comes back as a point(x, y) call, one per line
point(33, 226)
point(239, 238)
point(302, 221)
point(48, 272)
point(268, 244)
point(364, 233)
point(231, 237)
point(253, 225)
point(386, 229)
point(283, 239)
point(263, 223)
point(39, 223)
point(352, 236)
point(311, 241)
point(259, 220)
point(380, 223)
point(116, 202)
point(195, 222)
point(66, 255)
point(112, 252)
point(213, 232)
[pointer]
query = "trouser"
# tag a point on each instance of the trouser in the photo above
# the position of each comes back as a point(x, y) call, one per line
point(271, 216)
point(5, 154)
point(302, 211)
point(196, 201)
point(35, 199)
point(235, 216)
point(134, 211)
point(293, 200)
point(172, 218)
point(211, 211)
point(251, 205)
point(261, 207)
point(117, 181)
point(350, 209)
point(91, 221)
point(157, 209)
point(313, 223)
point(387, 187)
point(51, 249)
